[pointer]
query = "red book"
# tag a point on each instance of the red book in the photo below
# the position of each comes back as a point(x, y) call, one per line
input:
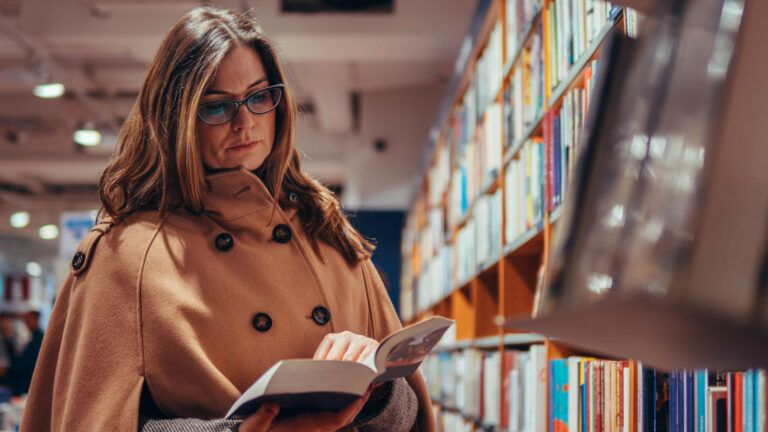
point(738, 402)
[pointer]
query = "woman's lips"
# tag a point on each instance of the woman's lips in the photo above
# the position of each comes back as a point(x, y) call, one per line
point(243, 146)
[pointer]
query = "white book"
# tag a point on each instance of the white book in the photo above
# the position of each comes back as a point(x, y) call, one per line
point(326, 385)
point(540, 366)
point(573, 393)
point(515, 397)
point(626, 406)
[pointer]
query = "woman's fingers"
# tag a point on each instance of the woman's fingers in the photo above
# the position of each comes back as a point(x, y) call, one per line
point(354, 350)
point(261, 420)
point(345, 346)
point(368, 350)
point(323, 348)
point(340, 344)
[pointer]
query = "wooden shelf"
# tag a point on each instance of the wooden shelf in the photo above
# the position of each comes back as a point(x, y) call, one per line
point(491, 342)
point(555, 214)
point(514, 149)
point(521, 46)
point(504, 285)
point(521, 245)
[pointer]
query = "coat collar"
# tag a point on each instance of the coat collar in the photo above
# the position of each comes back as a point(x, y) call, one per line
point(235, 193)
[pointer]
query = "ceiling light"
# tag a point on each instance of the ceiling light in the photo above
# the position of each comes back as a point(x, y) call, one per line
point(34, 269)
point(20, 219)
point(48, 232)
point(49, 90)
point(87, 137)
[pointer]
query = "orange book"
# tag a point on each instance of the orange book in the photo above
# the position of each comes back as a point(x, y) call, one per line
point(738, 402)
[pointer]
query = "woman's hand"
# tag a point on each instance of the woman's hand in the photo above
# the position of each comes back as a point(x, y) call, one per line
point(346, 346)
point(262, 420)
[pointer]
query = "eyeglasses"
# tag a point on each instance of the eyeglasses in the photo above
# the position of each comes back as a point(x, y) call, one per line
point(259, 102)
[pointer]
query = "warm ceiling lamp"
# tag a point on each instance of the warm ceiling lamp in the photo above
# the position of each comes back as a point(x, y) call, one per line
point(19, 219)
point(48, 232)
point(49, 90)
point(87, 136)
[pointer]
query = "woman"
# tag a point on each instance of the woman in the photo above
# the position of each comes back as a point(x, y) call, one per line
point(215, 258)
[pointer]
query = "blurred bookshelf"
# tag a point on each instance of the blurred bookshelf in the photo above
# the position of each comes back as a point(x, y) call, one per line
point(480, 228)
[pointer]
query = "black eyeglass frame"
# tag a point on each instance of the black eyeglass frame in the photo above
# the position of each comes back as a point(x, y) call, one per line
point(243, 102)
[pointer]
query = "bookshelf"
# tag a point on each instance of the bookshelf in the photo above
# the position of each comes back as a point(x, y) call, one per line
point(481, 225)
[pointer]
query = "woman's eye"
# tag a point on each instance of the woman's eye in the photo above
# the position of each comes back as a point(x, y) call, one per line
point(258, 97)
point(215, 108)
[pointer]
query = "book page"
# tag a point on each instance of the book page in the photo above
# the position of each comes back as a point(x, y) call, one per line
point(401, 353)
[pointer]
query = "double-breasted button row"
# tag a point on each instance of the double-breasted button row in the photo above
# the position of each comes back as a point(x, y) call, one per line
point(262, 322)
point(281, 233)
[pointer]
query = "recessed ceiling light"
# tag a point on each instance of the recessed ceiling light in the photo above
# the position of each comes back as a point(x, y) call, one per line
point(34, 269)
point(49, 90)
point(20, 219)
point(87, 137)
point(48, 232)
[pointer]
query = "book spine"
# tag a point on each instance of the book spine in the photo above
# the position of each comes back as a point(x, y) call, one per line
point(738, 394)
point(701, 403)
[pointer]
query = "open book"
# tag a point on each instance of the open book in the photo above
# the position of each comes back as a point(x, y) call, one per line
point(330, 385)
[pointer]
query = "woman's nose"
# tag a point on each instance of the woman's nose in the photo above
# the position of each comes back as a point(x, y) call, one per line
point(244, 119)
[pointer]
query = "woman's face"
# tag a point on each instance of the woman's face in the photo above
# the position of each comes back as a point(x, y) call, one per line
point(247, 139)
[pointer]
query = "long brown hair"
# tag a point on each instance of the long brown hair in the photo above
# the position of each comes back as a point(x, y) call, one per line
point(158, 165)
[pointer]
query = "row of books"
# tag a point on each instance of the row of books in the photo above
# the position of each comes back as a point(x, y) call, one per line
point(469, 156)
point(519, 17)
point(449, 420)
point(573, 25)
point(476, 244)
point(478, 166)
point(581, 394)
point(439, 175)
point(524, 98)
point(702, 401)
point(468, 381)
point(595, 395)
point(524, 182)
point(489, 71)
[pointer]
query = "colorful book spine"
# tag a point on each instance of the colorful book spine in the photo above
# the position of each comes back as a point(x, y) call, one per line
point(558, 395)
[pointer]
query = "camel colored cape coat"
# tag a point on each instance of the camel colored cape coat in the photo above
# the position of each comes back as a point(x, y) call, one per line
point(161, 303)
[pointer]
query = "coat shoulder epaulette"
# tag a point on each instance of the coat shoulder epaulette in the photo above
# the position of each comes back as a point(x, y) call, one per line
point(82, 256)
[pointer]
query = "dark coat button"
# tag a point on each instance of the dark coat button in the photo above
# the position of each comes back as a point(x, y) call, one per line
point(78, 260)
point(321, 315)
point(282, 233)
point(224, 242)
point(293, 197)
point(262, 322)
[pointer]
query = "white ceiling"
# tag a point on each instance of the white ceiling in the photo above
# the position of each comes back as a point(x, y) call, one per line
point(100, 50)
